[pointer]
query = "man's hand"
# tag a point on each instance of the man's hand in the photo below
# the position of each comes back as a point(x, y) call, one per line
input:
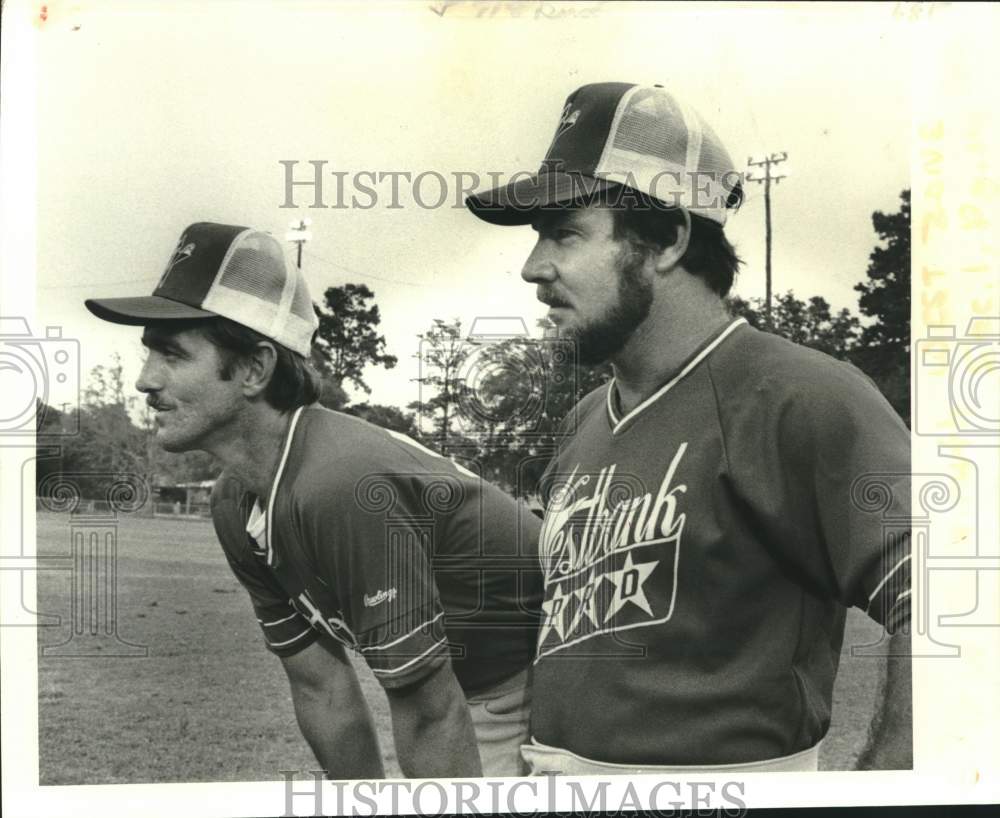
point(890, 740)
point(433, 730)
point(332, 712)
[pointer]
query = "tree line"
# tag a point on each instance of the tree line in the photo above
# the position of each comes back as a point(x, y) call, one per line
point(495, 404)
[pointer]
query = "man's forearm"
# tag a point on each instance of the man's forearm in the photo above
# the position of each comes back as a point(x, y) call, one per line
point(444, 748)
point(344, 742)
point(890, 741)
point(433, 730)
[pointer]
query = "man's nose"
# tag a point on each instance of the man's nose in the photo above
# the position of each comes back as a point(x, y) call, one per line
point(538, 267)
point(148, 381)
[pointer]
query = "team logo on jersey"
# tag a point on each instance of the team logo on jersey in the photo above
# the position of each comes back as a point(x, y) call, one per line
point(334, 626)
point(609, 555)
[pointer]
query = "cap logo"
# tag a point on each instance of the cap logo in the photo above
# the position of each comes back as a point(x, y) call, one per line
point(182, 252)
point(566, 121)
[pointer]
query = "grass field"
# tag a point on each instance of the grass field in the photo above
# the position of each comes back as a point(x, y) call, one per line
point(208, 702)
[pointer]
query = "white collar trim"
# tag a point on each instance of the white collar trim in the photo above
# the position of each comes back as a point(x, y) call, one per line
point(618, 425)
point(274, 486)
point(257, 522)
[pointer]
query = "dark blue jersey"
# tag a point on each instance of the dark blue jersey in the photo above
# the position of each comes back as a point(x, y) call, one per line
point(700, 551)
point(390, 549)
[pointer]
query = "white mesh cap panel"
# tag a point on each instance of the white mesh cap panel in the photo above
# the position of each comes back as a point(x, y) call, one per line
point(652, 124)
point(302, 305)
point(255, 267)
point(253, 289)
point(667, 150)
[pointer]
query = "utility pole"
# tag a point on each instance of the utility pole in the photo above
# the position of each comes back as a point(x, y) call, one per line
point(299, 234)
point(766, 179)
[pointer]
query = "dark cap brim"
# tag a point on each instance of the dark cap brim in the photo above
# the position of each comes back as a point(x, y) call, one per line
point(518, 202)
point(143, 310)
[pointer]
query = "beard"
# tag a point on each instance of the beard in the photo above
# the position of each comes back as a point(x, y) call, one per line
point(605, 336)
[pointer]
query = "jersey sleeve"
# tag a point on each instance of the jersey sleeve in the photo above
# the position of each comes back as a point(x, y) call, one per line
point(285, 631)
point(824, 467)
point(373, 543)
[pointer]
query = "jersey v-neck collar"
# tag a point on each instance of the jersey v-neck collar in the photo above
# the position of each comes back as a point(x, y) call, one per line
point(259, 524)
point(620, 424)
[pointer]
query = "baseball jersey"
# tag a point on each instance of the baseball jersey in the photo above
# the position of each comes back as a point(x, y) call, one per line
point(388, 548)
point(699, 553)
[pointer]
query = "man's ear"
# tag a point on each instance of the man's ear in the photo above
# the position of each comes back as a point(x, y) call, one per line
point(259, 369)
point(669, 257)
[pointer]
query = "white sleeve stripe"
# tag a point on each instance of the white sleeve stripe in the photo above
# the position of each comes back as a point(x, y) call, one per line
point(901, 604)
point(417, 629)
point(277, 621)
point(886, 578)
point(389, 671)
point(288, 641)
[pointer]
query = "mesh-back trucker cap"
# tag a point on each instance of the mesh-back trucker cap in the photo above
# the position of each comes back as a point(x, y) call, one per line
point(234, 272)
point(642, 137)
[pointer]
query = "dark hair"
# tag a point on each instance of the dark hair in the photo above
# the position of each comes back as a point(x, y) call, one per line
point(652, 226)
point(294, 382)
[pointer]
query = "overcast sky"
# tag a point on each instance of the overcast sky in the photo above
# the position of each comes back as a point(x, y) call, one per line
point(154, 116)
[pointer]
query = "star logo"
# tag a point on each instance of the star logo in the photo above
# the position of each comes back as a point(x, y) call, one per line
point(553, 608)
point(628, 582)
point(587, 596)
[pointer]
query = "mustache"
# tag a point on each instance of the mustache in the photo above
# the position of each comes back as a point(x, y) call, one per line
point(549, 298)
point(156, 405)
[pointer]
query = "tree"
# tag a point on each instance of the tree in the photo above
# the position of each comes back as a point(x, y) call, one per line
point(884, 350)
point(509, 396)
point(534, 394)
point(441, 353)
point(810, 324)
point(108, 442)
point(347, 339)
point(331, 394)
point(55, 448)
point(885, 296)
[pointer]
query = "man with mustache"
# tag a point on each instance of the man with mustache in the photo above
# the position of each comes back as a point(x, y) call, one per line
point(348, 538)
point(706, 523)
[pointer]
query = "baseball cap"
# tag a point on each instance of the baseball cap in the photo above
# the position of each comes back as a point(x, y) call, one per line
point(609, 133)
point(229, 271)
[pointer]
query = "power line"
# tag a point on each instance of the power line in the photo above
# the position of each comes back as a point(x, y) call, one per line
point(98, 283)
point(773, 159)
point(299, 234)
point(308, 253)
point(353, 272)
